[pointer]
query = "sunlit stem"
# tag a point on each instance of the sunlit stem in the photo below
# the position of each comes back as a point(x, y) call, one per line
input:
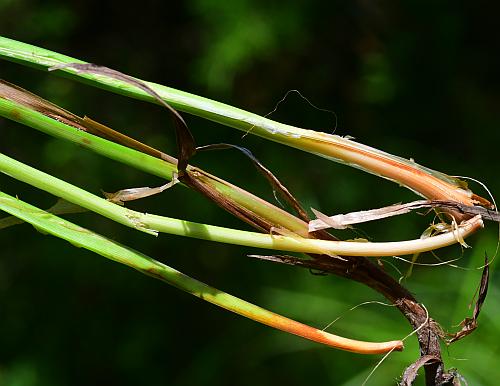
point(428, 183)
point(152, 223)
point(56, 226)
point(163, 168)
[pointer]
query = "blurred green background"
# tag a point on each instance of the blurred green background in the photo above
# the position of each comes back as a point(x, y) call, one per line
point(416, 78)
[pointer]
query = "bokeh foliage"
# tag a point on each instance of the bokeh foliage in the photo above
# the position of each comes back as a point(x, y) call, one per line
point(418, 79)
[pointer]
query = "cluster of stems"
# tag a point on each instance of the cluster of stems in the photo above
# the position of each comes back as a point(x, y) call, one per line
point(278, 229)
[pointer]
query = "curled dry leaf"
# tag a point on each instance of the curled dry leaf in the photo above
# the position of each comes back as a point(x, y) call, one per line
point(185, 140)
point(411, 372)
point(25, 98)
point(470, 324)
point(131, 194)
point(343, 221)
point(273, 180)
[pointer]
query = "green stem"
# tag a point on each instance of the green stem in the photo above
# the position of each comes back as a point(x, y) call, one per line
point(149, 164)
point(112, 250)
point(153, 224)
point(424, 181)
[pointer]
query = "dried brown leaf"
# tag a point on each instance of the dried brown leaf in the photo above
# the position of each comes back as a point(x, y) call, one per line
point(131, 194)
point(273, 180)
point(470, 324)
point(185, 141)
point(341, 221)
point(411, 372)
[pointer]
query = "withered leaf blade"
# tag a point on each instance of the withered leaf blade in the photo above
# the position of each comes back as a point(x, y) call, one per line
point(342, 221)
point(185, 141)
point(483, 287)
point(320, 263)
point(191, 179)
point(411, 371)
point(323, 222)
point(272, 179)
point(106, 132)
point(131, 194)
point(25, 98)
point(470, 324)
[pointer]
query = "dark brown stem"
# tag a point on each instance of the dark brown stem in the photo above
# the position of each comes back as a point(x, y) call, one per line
point(364, 271)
